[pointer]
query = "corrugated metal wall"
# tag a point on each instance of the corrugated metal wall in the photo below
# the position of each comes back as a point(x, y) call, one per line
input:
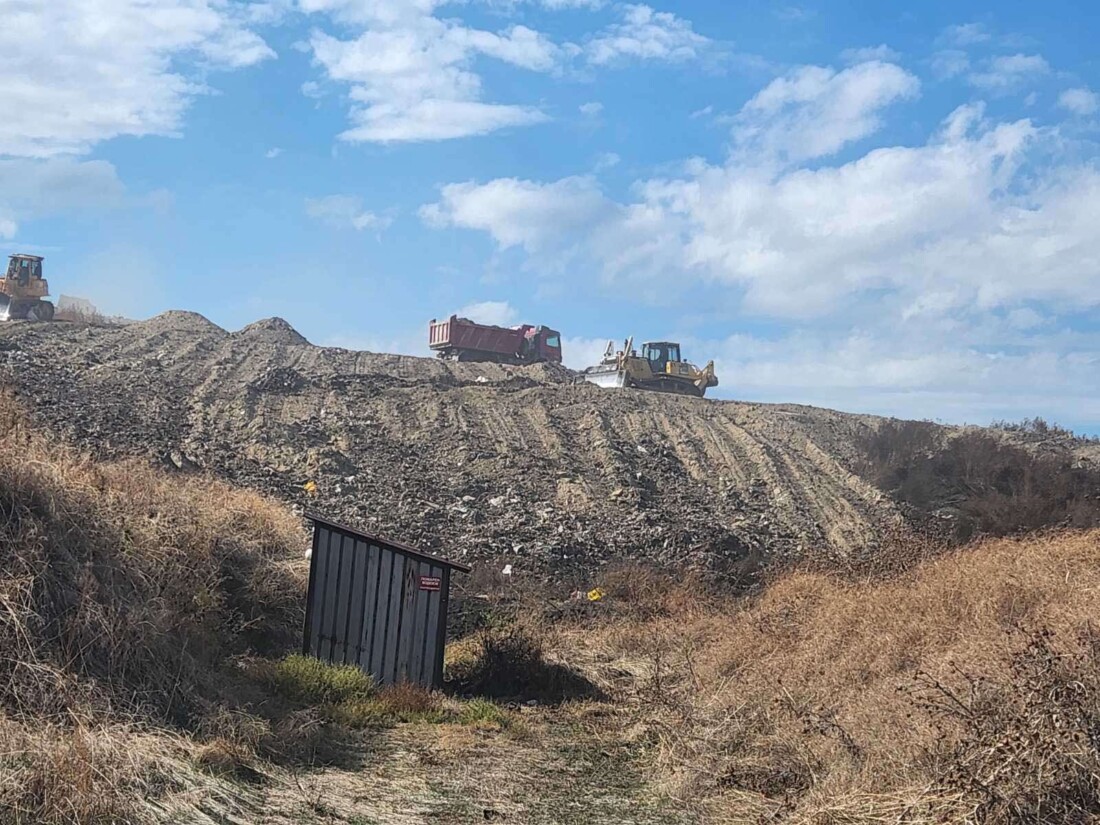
point(376, 605)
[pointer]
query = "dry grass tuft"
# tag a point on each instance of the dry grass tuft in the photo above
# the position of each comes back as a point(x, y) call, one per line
point(122, 582)
point(80, 773)
point(829, 700)
point(126, 596)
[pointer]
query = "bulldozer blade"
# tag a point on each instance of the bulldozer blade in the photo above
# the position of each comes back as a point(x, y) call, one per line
point(5, 307)
point(609, 379)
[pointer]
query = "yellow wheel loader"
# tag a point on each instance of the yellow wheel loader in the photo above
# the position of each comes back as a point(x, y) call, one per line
point(23, 290)
point(658, 368)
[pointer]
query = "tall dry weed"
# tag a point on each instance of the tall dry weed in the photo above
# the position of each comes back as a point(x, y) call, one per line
point(126, 597)
point(122, 581)
point(804, 703)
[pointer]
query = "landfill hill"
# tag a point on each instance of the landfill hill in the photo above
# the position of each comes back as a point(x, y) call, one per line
point(480, 462)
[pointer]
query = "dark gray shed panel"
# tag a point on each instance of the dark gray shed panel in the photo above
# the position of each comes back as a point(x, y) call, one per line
point(378, 604)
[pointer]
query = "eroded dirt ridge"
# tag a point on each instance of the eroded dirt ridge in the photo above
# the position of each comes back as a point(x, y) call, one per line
point(479, 461)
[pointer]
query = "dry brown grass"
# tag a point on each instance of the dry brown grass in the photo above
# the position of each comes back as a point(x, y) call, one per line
point(125, 596)
point(819, 701)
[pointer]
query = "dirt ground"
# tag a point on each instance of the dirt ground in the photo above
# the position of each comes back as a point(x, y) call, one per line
point(480, 462)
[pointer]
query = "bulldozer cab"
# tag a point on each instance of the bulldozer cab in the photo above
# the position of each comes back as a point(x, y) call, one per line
point(24, 268)
point(660, 353)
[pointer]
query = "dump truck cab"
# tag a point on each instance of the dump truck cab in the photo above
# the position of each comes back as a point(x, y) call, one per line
point(23, 289)
point(542, 344)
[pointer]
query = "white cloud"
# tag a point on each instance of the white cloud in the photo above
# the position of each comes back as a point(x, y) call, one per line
point(1079, 101)
point(578, 353)
point(31, 189)
point(1005, 73)
point(591, 109)
point(795, 14)
point(955, 218)
point(814, 111)
point(607, 160)
point(8, 228)
point(918, 280)
point(950, 63)
point(273, 153)
point(498, 313)
point(954, 374)
point(74, 73)
point(645, 34)
point(706, 111)
point(1025, 318)
point(410, 74)
point(966, 34)
point(345, 212)
point(556, 5)
point(521, 213)
point(881, 52)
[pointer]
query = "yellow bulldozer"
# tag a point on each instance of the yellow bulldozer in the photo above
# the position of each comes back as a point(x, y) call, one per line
point(659, 368)
point(23, 290)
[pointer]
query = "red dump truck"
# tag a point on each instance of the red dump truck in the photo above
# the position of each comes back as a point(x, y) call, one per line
point(461, 339)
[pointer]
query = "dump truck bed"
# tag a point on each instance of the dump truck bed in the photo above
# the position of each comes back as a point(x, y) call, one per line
point(462, 334)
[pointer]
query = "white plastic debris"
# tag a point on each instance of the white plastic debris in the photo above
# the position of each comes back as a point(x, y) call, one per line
point(507, 571)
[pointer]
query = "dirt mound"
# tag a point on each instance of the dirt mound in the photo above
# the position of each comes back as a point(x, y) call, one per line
point(177, 322)
point(484, 462)
point(272, 331)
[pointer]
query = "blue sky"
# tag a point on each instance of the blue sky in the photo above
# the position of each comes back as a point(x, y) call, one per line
point(845, 204)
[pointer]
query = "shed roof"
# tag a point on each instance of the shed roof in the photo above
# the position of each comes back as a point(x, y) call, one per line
point(317, 518)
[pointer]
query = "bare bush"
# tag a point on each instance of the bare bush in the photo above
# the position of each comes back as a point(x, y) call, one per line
point(90, 317)
point(509, 661)
point(1025, 747)
point(987, 485)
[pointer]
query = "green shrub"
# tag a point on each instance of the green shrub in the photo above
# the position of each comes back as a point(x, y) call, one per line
point(311, 681)
point(483, 712)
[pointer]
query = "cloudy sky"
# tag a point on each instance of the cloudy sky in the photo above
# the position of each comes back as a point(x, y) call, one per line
point(842, 203)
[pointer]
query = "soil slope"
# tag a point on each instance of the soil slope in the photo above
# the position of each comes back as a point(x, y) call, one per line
point(476, 461)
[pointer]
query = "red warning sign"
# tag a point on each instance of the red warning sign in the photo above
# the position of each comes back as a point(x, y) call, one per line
point(431, 583)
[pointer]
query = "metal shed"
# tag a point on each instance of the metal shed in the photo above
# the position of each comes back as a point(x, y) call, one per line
point(376, 603)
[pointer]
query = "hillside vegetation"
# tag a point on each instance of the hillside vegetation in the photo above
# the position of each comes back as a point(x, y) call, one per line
point(967, 690)
point(124, 597)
